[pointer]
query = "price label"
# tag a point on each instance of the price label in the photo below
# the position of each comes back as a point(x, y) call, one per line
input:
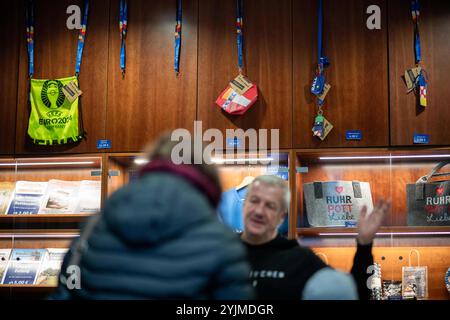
point(421, 138)
point(104, 144)
point(355, 135)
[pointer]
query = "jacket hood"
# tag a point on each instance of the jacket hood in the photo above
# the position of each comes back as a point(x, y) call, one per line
point(156, 207)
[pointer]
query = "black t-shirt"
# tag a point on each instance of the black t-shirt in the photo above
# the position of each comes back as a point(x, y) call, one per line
point(280, 268)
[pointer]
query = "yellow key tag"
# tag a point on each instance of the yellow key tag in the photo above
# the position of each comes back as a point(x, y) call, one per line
point(324, 93)
point(71, 91)
point(327, 127)
point(411, 77)
point(241, 84)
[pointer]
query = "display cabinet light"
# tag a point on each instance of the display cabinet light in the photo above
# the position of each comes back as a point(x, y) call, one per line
point(64, 163)
point(233, 160)
point(424, 156)
point(39, 236)
point(140, 161)
point(427, 233)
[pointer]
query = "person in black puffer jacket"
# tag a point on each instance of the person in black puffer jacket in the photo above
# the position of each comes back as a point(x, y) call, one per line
point(159, 238)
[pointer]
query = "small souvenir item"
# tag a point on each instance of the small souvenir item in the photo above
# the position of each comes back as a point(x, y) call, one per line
point(54, 113)
point(123, 28)
point(415, 279)
point(447, 280)
point(376, 283)
point(322, 127)
point(392, 290)
point(415, 78)
point(241, 93)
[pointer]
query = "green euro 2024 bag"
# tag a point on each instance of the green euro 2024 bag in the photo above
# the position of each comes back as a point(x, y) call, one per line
point(54, 119)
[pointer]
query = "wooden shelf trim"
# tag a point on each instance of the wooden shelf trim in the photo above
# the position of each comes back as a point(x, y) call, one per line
point(384, 231)
point(18, 286)
point(45, 218)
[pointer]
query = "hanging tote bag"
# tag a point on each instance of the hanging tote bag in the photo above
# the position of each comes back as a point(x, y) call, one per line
point(415, 279)
point(336, 203)
point(55, 116)
point(429, 202)
point(241, 93)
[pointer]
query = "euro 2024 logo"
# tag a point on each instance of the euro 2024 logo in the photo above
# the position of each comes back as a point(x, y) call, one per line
point(52, 96)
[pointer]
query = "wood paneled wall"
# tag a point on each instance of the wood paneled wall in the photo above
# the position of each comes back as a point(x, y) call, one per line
point(406, 117)
point(151, 98)
point(268, 57)
point(55, 56)
point(358, 73)
point(9, 35)
point(280, 40)
point(392, 259)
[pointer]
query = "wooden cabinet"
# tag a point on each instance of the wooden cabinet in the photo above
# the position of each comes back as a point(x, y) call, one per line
point(406, 117)
point(55, 56)
point(33, 239)
point(151, 98)
point(358, 99)
point(392, 258)
point(388, 172)
point(268, 60)
point(280, 44)
point(39, 212)
point(9, 64)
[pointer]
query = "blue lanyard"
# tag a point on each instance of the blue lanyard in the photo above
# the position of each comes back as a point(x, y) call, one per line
point(81, 38)
point(240, 37)
point(30, 36)
point(415, 12)
point(321, 59)
point(123, 24)
point(320, 32)
point(178, 37)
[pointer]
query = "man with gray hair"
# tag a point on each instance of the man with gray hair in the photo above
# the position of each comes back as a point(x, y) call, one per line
point(281, 268)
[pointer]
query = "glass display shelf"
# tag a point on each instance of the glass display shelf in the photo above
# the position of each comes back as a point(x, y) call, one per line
point(46, 190)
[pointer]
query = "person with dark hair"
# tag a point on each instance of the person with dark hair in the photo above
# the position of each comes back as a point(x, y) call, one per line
point(159, 238)
point(281, 268)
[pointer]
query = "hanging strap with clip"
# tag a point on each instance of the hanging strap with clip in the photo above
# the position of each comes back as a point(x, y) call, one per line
point(415, 12)
point(82, 38)
point(123, 27)
point(30, 36)
point(322, 61)
point(178, 37)
point(240, 36)
point(420, 81)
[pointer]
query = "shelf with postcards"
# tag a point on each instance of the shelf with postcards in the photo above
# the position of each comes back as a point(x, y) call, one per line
point(236, 172)
point(30, 260)
point(333, 185)
point(43, 201)
point(49, 190)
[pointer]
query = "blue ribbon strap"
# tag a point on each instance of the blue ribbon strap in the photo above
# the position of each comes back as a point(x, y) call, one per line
point(322, 61)
point(123, 26)
point(415, 12)
point(30, 36)
point(81, 38)
point(240, 37)
point(178, 37)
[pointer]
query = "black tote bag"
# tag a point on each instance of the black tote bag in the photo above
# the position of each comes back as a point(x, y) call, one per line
point(429, 202)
